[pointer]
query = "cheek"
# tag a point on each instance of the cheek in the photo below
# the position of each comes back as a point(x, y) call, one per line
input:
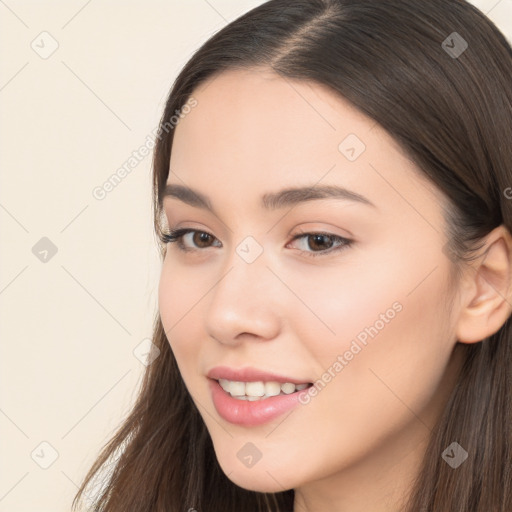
point(168, 304)
point(385, 304)
point(394, 350)
point(338, 304)
point(388, 353)
point(179, 304)
point(181, 288)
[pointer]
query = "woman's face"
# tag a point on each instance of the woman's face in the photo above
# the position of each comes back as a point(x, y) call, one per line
point(368, 318)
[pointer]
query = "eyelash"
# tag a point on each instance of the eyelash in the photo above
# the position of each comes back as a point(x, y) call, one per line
point(176, 235)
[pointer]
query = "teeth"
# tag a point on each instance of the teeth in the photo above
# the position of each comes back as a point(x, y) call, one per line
point(254, 388)
point(258, 390)
point(288, 388)
point(237, 388)
point(272, 388)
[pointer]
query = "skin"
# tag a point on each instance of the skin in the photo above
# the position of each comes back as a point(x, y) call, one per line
point(357, 445)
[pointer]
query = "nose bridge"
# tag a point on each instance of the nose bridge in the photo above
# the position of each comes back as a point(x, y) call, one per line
point(241, 300)
point(245, 271)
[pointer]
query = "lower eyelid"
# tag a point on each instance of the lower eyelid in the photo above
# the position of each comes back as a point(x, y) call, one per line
point(335, 238)
point(343, 242)
point(194, 232)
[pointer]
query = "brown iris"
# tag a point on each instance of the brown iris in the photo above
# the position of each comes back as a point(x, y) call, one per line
point(319, 242)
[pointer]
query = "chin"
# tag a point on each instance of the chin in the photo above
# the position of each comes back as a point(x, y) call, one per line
point(259, 478)
point(261, 482)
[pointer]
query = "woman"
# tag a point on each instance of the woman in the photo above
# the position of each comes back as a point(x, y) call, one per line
point(335, 297)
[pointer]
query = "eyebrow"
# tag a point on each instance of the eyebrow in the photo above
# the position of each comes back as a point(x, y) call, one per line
point(271, 201)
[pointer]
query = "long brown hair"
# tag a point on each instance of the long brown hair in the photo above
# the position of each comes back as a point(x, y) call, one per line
point(450, 108)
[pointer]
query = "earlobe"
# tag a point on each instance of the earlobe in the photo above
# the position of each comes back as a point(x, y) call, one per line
point(488, 300)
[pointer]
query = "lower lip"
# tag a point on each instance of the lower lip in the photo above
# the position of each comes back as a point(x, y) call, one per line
point(257, 412)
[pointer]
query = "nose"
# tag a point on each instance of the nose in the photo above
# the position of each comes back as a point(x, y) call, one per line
point(244, 304)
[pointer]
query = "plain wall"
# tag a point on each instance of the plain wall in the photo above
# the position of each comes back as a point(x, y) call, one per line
point(74, 321)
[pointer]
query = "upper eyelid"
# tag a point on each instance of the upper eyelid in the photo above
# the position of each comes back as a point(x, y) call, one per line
point(296, 235)
point(166, 210)
point(343, 242)
point(185, 231)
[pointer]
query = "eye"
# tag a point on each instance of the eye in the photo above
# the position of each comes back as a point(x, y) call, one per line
point(316, 244)
point(321, 244)
point(199, 239)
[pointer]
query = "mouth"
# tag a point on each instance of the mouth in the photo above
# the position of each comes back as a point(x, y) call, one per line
point(259, 390)
point(250, 396)
point(253, 403)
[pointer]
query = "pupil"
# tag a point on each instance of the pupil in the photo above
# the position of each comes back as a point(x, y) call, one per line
point(202, 239)
point(318, 239)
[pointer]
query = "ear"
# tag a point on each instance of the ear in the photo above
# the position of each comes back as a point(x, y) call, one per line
point(487, 298)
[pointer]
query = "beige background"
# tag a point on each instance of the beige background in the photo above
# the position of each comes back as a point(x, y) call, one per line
point(73, 323)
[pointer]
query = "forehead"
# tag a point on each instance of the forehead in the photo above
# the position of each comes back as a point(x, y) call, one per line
point(248, 109)
point(256, 130)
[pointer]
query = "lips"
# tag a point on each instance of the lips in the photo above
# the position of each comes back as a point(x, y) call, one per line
point(250, 374)
point(251, 413)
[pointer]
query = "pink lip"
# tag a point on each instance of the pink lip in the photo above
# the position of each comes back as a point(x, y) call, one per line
point(250, 374)
point(244, 412)
point(248, 414)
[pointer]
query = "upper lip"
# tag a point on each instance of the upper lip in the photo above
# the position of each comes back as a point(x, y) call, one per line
point(249, 374)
